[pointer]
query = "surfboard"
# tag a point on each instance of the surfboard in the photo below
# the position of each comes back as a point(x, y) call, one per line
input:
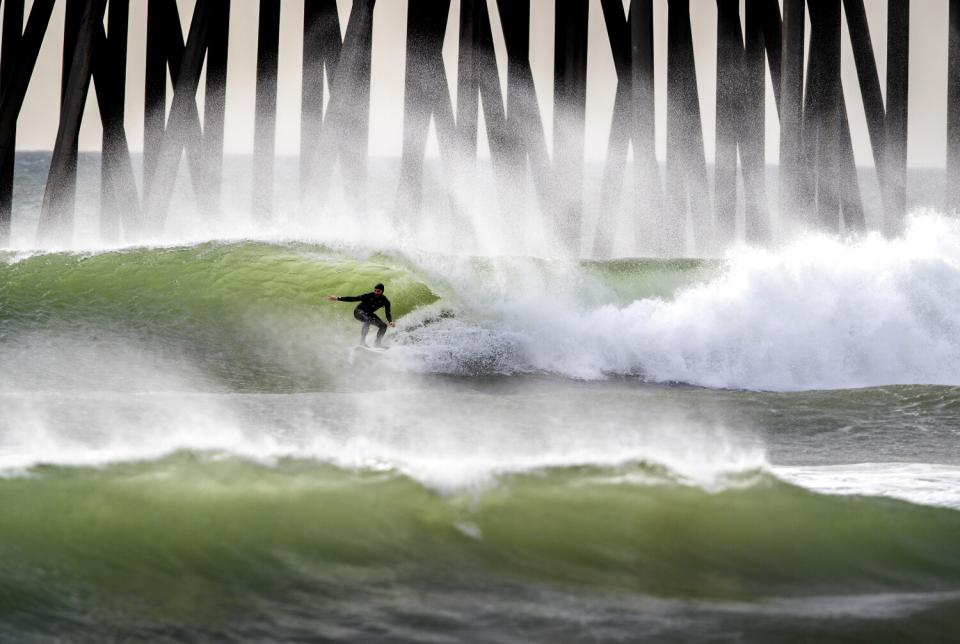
point(373, 349)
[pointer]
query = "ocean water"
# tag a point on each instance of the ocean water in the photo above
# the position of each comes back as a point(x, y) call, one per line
point(756, 447)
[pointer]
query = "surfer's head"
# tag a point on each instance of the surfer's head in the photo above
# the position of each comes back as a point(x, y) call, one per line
point(378, 289)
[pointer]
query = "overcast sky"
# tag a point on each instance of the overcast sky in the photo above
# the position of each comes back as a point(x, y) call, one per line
point(928, 69)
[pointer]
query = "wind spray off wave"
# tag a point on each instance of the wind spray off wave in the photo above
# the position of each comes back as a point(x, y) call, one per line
point(821, 313)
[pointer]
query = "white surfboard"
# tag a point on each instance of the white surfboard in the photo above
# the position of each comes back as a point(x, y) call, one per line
point(373, 349)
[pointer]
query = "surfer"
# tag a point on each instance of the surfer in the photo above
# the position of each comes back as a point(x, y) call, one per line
point(365, 312)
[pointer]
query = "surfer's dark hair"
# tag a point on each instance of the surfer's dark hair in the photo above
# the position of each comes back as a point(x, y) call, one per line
point(378, 286)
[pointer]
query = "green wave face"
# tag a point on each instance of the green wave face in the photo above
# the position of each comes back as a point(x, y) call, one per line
point(193, 539)
point(253, 315)
point(204, 282)
point(635, 279)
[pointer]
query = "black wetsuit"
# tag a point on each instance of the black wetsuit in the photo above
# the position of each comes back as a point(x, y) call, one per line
point(366, 313)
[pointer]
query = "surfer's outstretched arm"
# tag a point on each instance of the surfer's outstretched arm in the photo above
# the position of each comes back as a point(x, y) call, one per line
point(346, 298)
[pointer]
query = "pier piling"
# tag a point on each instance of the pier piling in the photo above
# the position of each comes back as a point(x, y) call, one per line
point(818, 177)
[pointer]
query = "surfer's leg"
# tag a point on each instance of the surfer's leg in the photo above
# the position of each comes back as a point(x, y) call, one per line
point(381, 327)
point(363, 333)
point(363, 317)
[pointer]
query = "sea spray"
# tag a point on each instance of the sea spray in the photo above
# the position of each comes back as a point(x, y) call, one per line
point(820, 313)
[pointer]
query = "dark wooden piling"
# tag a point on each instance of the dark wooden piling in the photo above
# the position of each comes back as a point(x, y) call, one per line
point(879, 115)
point(621, 125)
point(648, 188)
point(12, 33)
point(426, 97)
point(215, 98)
point(183, 127)
point(762, 42)
point(741, 113)
point(265, 126)
point(569, 116)
point(321, 51)
point(813, 104)
point(478, 87)
point(109, 71)
point(733, 83)
point(821, 118)
point(165, 139)
point(831, 183)
point(56, 213)
point(895, 124)
point(159, 23)
point(847, 178)
point(953, 108)
point(345, 132)
point(471, 61)
point(15, 87)
point(767, 12)
point(867, 76)
point(633, 122)
point(791, 106)
point(63, 167)
point(687, 187)
point(120, 203)
point(526, 141)
point(73, 16)
point(165, 49)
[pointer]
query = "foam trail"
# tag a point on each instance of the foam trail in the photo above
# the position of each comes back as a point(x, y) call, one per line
point(922, 483)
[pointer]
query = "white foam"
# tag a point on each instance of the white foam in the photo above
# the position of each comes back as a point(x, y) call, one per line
point(447, 441)
point(923, 483)
point(821, 313)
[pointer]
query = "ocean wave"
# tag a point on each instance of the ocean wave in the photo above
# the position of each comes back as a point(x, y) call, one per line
point(820, 313)
point(243, 527)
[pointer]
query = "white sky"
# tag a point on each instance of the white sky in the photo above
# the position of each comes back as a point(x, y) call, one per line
point(928, 71)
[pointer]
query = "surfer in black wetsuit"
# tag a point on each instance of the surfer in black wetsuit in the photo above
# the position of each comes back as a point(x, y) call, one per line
point(366, 312)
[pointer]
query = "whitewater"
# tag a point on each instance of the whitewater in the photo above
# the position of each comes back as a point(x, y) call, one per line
point(758, 445)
